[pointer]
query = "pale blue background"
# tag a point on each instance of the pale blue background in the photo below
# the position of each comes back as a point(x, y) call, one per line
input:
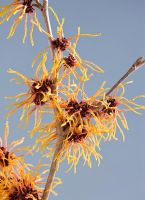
point(121, 174)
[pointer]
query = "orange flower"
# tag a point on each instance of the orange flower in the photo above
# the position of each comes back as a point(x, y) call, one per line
point(20, 186)
point(86, 123)
point(81, 136)
point(41, 92)
point(78, 142)
point(113, 108)
point(8, 158)
point(23, 8)
point(72, 61)
point(25, 184)
point(81, 109)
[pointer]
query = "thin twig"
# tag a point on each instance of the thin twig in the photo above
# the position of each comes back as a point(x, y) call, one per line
point(136, 65)
point(53, 169)
point(46, 18)
point(38, 4)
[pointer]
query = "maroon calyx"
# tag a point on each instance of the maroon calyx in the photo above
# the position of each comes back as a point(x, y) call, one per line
point(70, 61)
point(23, 192)
point(5, 156)
point(72, 107)
point(85, 109)
point(78, 107)
point(75, 137)
point(112, 105)
point(61, 44)
point(29, 6)
point(39, 88)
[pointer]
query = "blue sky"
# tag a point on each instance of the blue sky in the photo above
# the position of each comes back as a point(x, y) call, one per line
point(121, 174)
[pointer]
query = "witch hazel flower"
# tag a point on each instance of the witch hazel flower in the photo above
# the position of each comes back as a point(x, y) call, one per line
point(64, 50)
point(10, 157)
point(24, 10)
point(40, 92)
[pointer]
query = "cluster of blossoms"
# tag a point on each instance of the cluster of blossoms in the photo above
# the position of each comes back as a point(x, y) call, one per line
point(84, 123)
point(17, 180)
point(80, 122)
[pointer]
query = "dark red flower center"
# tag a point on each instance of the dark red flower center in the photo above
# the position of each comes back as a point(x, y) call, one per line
point(112, 102)
point(70, 61)
point(74, 107)
point(75, 137)
point(61, 44)
point(112, 105)
point(40, 89)
point(23, 192)
point(29, 6)
point(4, 157)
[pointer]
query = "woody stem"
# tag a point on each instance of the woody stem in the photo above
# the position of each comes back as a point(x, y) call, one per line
point(53, 169)
point(136, 65)
point(55, 160)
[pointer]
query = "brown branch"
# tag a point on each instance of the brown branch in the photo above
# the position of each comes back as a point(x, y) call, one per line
point(55, 160)
point(47, 19)
point(136, 65)
point(53, 169)
point(38, 4)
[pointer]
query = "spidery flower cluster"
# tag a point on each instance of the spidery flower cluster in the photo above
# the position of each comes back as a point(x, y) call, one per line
point(80, 123)
point(19, 181)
